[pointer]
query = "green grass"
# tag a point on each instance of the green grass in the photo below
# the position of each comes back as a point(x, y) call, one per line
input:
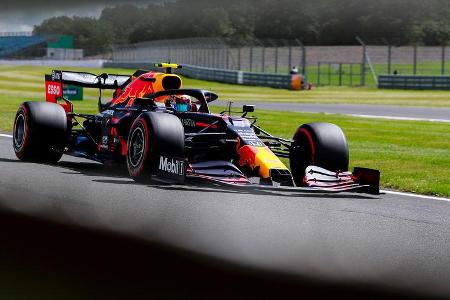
point(412, 156)
point(20, 82)
point(351, 75)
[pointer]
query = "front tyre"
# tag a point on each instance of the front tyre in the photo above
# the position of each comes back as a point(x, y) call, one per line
point(153, 135)
point(318, 144)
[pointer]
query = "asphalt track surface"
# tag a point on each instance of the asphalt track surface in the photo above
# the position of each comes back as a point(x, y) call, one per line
point(389, 242)
point(440, 114)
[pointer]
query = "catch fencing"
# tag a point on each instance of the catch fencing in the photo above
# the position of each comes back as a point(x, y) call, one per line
point(266, 60)
point(263, 56)
point(358, 65)
point(221, 75)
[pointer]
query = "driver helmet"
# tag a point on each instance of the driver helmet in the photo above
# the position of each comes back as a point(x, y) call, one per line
point(182, 103)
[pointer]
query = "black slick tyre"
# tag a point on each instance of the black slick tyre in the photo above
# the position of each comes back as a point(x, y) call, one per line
point(153, 134)
point(318, 144)
point(40, 132)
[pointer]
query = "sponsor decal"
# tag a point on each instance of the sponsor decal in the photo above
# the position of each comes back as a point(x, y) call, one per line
point(109, 112)
point(241, 123)
point(70, 92)
point(56, 75)
point(188, 122)
point(171, 165)
point(54, 89)
point(249, 137)
point(105, 141)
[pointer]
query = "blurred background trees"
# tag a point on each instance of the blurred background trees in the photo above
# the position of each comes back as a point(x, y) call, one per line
point(314, 22)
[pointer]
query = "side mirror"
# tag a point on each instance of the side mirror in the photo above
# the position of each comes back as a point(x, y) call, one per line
point(248, 108)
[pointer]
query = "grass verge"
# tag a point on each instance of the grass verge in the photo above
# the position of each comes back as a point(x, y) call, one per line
point(412, 156)
point(25, 82)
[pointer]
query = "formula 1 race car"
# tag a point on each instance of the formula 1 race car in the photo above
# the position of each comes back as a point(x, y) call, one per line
point(167, 133)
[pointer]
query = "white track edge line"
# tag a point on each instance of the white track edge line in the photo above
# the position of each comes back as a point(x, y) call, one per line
point(381, 117)
point(6, 135)
point(360, 115)
point(415, 195)
point(398, 118)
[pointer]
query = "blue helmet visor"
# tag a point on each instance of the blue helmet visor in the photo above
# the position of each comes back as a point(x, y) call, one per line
point(182, 107)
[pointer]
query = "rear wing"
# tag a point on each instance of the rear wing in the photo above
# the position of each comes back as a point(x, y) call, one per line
point(89, 80)
point(54, 82)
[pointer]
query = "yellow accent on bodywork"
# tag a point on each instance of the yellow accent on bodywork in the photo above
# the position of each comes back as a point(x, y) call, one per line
point(266, 161)
point(260, 157)
point(159, 77)
point(167, 65)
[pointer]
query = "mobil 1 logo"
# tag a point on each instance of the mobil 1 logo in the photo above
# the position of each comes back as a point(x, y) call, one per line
point(171, 169)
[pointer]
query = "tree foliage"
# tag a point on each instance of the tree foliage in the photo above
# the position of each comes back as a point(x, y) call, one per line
point(314, 22)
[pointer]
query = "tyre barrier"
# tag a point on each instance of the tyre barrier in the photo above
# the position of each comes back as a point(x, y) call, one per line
point(292, 82)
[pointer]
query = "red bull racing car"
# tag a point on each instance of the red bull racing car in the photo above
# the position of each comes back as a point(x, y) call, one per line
point(167, 133)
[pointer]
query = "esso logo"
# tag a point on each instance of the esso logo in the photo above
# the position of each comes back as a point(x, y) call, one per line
point(53, 89)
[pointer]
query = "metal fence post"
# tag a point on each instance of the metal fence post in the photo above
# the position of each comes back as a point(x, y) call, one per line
point(363, 67)
point(303, 56)
point(415, 60)
point(276, 59)
point(290, 57)
point(351, 74)
point(318, 74)
point(218, 57)
point(340, 74)
point(197, 56)
point(251, 58)
point(227, 60)
point(208, 57)
point(239, 58)
point(211, 57)
point(363, 64)
point(303, 59)
point(389, 59)
point(329, 73)
point(263, 63)
point(203, 57)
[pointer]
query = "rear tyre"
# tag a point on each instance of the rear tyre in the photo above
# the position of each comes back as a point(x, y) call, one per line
point(152, 135)
point(318, 144)
point(40, 131)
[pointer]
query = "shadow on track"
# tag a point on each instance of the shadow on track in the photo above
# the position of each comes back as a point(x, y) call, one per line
point(120, 176)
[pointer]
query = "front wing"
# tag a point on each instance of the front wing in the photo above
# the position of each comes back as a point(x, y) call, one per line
point(316, 180)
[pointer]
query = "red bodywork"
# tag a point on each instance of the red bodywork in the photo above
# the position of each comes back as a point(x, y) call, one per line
point(141, 85)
